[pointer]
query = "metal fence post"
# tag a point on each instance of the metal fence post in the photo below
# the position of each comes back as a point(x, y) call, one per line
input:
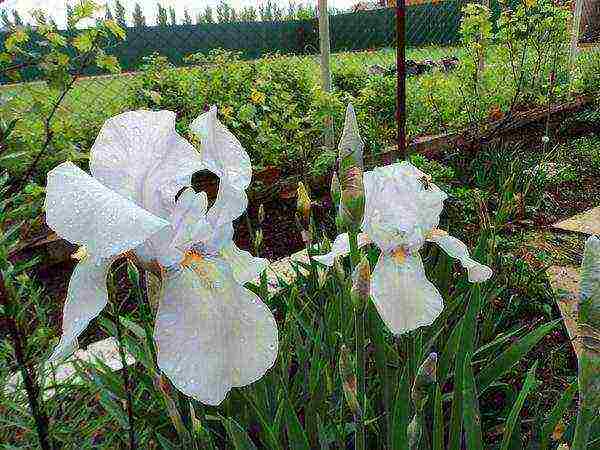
point(401, 79)
point(575, 31)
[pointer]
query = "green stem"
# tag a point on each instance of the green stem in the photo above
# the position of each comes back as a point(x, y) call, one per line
point(582, 430)
point(125, 370)
point(354, 250)
point(359, 318)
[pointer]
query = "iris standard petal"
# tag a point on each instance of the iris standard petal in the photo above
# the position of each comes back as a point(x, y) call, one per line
point(456, 249)
point(212, 334)
point(404, 297)
point(401, 206)
point(140, 155)
point(83, 211)
point(245, 267)
point(341, 247)
point(223, 154)
point(86, 297)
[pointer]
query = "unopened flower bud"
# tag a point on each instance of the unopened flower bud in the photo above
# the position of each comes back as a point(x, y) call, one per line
point(349, 384)
point(426, 377)
point(258, 239)
point(338, 265)
point(261, 214)
point(336, 190)
point(321, 277)
point(303, 204)
point(352, 203)
point(350, 148)
point(361, 283)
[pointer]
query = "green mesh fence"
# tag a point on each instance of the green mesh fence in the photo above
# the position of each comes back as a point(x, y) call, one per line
point(426, 24)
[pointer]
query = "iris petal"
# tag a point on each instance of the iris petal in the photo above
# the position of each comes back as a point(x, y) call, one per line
point(86, 298)
point(85, 212)
point(341, 247)
point(223, 154)
point(404, 297)
point(140, 155)
point(211, 338)
point(456, 249)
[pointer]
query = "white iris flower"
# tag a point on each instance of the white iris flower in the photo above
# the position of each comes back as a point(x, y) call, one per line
point(212, 334)
point(402, 212)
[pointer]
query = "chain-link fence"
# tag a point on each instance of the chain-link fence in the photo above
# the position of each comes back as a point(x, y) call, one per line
point(157, 71)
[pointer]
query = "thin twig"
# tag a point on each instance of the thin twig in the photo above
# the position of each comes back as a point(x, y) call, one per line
point(19, 183)
point(31, 385)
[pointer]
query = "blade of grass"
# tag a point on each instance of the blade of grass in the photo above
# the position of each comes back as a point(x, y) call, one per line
point(556, 414)
point(239, 438)
point(472, 417)
point(509, 427)
point(500, 365)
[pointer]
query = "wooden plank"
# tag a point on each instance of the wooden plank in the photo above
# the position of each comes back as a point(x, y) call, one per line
point(565, 283)
point(587, 222)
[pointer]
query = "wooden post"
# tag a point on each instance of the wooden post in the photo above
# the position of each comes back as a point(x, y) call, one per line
point(325, 45)
point(481, 65)
point(575, 32)
point(326, 65)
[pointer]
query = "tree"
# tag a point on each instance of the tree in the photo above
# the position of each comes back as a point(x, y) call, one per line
point(108, 15)
point(6, 23)
point(187, 19)
point(208, 15)
point(162, 19)
point(70, 20)
point(120, 14)
point(248, 14)
point(223, 11)
point(306, 12)
point(233, 17)
point(265, 11)
point(17, 18)
point(139, 21)
point(172, 15)
point(277, 12)
point(292, 13)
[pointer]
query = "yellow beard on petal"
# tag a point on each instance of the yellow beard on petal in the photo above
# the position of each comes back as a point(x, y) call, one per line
point(400, 255)
point(80, 254)
point(206, 271)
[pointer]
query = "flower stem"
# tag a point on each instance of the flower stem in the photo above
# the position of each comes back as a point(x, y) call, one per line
point(354, 250)
point(125, 370)
point(359, 318)
point(31, 385)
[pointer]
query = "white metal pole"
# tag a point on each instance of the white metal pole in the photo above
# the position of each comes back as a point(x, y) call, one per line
point(325, 64)
point(325, 45)
point(575, 31)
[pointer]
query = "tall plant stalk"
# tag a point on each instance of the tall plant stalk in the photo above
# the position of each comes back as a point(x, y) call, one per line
point(360, 296)
point(116, 311)
point(359, 322)
point(8, 302)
